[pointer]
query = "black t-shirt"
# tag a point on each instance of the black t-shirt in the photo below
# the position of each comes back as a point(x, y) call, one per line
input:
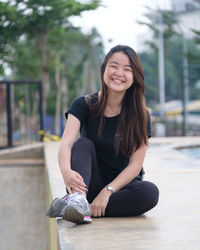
point(110, 164)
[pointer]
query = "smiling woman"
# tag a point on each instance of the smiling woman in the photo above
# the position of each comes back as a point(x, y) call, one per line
point(104, 168)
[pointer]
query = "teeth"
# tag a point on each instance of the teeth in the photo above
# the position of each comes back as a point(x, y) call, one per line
point(117, 81)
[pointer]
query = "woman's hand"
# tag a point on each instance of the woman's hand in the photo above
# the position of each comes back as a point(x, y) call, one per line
point(99, 204)
point(74, 182)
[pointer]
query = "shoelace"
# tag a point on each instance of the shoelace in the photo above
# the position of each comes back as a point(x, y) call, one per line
point(77, 200)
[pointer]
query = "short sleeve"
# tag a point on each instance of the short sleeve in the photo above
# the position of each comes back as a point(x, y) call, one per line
point(148, 124)
point(78, 108)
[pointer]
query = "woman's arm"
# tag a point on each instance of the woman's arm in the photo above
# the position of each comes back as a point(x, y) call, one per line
point(73, 180)
point(132, 170)
point(134, 167)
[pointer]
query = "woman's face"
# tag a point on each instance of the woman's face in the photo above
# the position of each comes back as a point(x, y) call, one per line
point(118, 75)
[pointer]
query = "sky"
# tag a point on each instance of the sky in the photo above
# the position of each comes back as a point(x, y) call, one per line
point(117, 21)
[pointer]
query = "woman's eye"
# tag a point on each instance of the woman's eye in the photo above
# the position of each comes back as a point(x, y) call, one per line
point(127, 69)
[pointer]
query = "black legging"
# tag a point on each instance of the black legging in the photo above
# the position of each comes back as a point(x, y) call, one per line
point(134, 199)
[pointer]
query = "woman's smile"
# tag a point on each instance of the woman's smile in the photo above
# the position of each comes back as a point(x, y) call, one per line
point(116, 80)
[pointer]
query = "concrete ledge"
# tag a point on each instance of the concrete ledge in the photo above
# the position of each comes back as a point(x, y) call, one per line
point(173, 224)
point(23, 224)
point(54, 175)
point(33, 151)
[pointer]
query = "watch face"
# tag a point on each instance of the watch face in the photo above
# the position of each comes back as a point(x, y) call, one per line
point(110, 188)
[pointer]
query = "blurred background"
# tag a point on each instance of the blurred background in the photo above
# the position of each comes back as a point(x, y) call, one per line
point(51, 52)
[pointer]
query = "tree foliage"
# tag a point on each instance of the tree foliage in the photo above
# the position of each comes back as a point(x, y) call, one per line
point(36, 19)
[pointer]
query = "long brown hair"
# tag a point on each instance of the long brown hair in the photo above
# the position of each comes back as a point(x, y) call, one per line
point(132, 124)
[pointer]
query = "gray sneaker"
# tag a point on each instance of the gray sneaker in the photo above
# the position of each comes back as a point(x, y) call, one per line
point(77, 209)
point(57, 206)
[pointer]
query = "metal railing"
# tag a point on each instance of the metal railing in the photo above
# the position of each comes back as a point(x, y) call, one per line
point(7, 110)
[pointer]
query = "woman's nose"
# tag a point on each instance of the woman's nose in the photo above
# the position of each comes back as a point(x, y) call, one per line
point(120, 72)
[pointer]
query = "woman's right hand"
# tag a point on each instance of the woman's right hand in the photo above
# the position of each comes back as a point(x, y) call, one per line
point(74, 182)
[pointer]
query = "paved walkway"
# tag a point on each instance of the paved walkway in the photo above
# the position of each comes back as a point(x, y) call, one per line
point(173, 224)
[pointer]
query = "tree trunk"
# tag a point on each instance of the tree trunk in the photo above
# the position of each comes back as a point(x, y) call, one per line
point(45, 87)
point(65, 96)
point(34, 113)
point(58, 95)
point(42, 42)
point(85, 84)
point(92, 79)
point(28, 114)
point(96, 66)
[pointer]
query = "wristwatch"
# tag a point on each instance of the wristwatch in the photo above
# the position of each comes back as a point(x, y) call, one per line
point(110, 188)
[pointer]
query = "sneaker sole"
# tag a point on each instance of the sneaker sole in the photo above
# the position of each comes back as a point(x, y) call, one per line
point(73, 215)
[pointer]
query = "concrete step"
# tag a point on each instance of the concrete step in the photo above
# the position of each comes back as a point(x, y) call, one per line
point(21, 162)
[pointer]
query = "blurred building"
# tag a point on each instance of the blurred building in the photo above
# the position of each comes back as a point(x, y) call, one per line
point(188, 12)
point(185, 6)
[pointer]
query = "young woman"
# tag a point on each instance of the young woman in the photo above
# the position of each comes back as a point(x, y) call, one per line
point(102, 170)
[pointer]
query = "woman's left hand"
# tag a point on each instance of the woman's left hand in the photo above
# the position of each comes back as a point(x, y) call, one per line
point(99, 204)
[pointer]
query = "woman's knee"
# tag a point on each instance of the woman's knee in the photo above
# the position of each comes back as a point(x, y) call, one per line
point(152, 194)
point(83, 143)
point(148, 192)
